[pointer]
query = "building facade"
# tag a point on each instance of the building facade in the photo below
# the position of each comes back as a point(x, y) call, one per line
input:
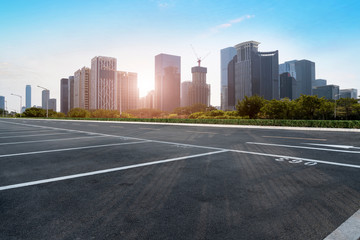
point(227, 55)
point(319, 82)
point(71, 93)
point(248, 73)
point(64, 95)
point(28, 96)
point(305, 76)
point(45, 99)
point(199, 91)
point(330, 92)
point(185, 99)
point(2, 102)
point(52, 104)
point(103, 84)
point(81, 88)
point(287, 86)
point(167, 82)
point(128, 92)
point(349, 93)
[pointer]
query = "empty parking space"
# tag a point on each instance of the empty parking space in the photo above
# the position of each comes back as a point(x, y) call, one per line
point(98, 180)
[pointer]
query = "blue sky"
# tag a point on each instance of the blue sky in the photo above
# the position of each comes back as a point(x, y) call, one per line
point(43, 41)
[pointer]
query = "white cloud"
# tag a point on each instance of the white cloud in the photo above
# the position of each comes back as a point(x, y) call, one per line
point(230, 23)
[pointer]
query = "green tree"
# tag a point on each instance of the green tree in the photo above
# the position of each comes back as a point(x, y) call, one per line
point(250, 106)
point(276, 109)
point(34, 112)
point(326, 110)
point(307, 106)
point(78, 113)
point(345, 107)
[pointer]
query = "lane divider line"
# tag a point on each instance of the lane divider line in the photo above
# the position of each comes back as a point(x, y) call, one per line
point(69, 149)
point(33, 135)
point(48, 140)
point(49, 180)
point(303, 147)
point(350, 229)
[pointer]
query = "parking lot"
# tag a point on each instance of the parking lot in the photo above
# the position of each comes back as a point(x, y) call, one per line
point(115, 180)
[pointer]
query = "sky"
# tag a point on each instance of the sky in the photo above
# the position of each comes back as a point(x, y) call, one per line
point(43, 41)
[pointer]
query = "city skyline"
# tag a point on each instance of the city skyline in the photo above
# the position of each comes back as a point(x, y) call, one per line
point(39, 49)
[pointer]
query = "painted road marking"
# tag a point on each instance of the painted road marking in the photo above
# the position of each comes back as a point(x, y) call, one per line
point(334, 146)
point(68, 149)
point(49, 140)
point(24, 131)
point(202, 132)
point(33, 135)
point(292, 146)
point(198, 146)
point(350, 229)
point(106, 171)
point(299, 138)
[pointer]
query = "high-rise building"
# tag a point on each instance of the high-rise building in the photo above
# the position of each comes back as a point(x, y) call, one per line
point(52, 104)
point(64, 95)
point(71, 93)
point(304, 73)
point(185, 101)
point(127, 92)
point(330, 92)
point(319, 82)
point(305, 76)
point(227, 55)
point(81, 88)
point(150, 100)
point(287, 86)
point(103, 84)
point(199, 91)
point(2, 102)
point(28, 96)
point(349, 93)
point(45, 99)
point(167, 82)
point(249, 73)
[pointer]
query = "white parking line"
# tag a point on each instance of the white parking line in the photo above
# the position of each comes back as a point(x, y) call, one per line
point(299, 138)
point(105, 171)
point(23, 131)
point(68, 149)
point(49, 140)
point(350, 229)
point(33, 135)
point(292, 146)
point(205, 147)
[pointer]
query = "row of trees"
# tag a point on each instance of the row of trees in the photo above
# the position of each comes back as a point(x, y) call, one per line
point(305, 107)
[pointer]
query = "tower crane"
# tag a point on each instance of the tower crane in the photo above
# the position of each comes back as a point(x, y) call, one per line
point(199, 59)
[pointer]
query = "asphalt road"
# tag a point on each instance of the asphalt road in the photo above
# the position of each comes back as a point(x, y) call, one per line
point(104, 180)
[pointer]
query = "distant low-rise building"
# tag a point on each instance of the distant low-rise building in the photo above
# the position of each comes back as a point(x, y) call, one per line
point(319, 82)
point(52, 104)
point(349, 93)
point(330, 92)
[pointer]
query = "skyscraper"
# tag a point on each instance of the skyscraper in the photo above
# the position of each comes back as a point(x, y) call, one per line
point(167, 82)
point(227, 55)
point(64, 95)
point(287, 86)
point(28, 96)
point(71, 93)
point(249, 73)
point(199, 91)
point(103, 84)
point(81, 88)
point(2, 102)
point(305, 76)
point(45, 99)
point(128, 92)
point(304, 73)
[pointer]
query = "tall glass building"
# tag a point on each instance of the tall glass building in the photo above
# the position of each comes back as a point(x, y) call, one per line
point(2, 102)
point(167, 82)
point(28, 96)
point(64, 95)
point(226, 55)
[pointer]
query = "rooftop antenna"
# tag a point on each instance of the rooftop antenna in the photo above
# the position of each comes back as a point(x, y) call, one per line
point(199, 59)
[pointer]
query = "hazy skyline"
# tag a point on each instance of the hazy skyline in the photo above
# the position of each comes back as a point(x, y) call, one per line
point(43, 41)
